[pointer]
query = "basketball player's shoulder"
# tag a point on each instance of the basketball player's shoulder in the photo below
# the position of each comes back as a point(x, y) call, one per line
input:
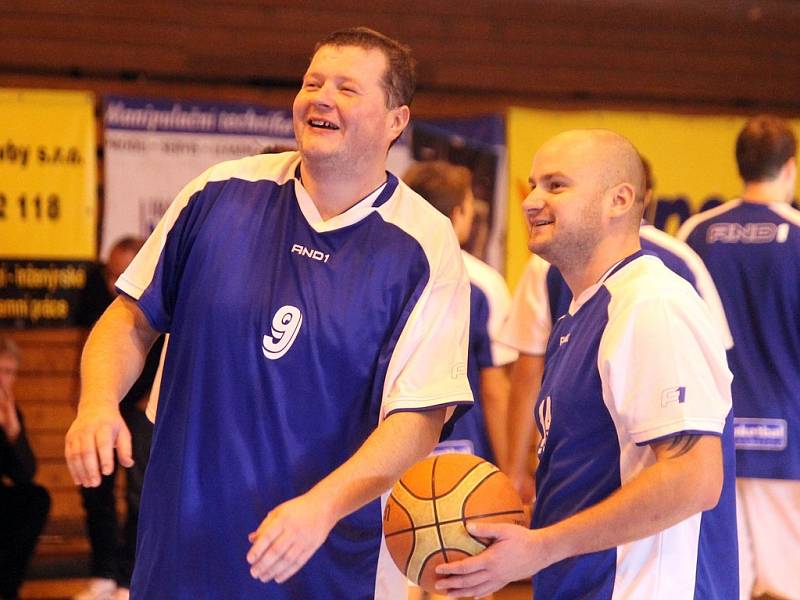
point(482, 275)
point(536, 266)
point(673, 247)
point(279, 168)
point(647, 281)
point(430, 229)
point(411, 212)
point(787, 212)
point(707, 217)
point(665, 241)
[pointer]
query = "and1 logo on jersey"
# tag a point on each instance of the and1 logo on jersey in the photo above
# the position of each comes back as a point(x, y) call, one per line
point(310, 253)
point(749, 233)
point(285, 327)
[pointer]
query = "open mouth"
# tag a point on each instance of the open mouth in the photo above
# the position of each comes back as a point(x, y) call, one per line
point(542, 222)
point(322, 124)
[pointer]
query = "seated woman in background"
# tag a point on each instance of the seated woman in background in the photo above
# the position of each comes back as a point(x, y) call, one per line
point(23, 504)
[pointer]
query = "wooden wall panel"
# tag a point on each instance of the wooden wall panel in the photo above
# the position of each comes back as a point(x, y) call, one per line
point(729, 52)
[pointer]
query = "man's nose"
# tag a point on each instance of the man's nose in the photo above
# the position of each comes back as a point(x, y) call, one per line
point(533, 202)
point(323, 96)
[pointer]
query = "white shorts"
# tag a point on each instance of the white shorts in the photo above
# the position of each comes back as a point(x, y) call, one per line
point(768, 516)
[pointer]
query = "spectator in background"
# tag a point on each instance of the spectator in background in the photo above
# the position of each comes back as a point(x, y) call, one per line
point(113, 548)
point(482, 431)
point(23, 504)
point(751, 246)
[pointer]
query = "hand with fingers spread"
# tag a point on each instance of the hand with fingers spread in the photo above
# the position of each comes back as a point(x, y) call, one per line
point(91, 440)
point(515, 553)
point(287, 538)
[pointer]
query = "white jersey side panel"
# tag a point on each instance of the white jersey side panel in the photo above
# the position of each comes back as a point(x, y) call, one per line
point(529, 322)
point(494, 287)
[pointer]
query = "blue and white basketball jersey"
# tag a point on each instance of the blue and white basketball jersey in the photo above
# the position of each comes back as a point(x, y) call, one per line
point(542, 295)
point(753, 253)
point(489, 304)
point(291, 338)
point(635, 359)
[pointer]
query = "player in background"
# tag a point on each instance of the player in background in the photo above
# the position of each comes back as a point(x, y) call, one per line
point(482, 431)
point(751, 246)
point(542, 296)
point(635, 494)
point(318, 313)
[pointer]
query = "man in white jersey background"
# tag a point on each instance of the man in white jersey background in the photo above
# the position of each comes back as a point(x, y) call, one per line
point(482, 431)
point(635, 484)
point(751, 246)
point(317, 311)
point(543, 295)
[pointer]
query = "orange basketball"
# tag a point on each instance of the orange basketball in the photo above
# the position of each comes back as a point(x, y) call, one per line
point(426, 514)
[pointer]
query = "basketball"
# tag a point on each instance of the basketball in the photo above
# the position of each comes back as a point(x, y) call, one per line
point(425, 519)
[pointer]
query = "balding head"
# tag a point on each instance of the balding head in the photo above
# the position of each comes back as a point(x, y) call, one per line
point(587, 195)
point(613, 157)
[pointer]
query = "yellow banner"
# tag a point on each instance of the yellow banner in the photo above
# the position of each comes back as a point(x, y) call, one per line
point(692, 158)
point(48, 182)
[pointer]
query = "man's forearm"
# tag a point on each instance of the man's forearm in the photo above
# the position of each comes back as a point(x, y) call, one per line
point(494, 398)
point(676, 487)
point(114, 353)
point(526, 379)
point(398, 442)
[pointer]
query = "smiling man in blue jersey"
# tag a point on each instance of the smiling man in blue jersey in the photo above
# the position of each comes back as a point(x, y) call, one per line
point(482, 431)
point(751, 246)
point(317, 311)
point(635, 485)
point(542, 296)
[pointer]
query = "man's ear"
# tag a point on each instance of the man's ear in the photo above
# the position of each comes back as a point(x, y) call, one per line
point(623, 199)
point(398, 119)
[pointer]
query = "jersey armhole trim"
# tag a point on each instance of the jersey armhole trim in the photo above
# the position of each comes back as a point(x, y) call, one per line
point(692, 432)
point(129, 288)
point(415, 406)
point(145, 312)
point(697, 426)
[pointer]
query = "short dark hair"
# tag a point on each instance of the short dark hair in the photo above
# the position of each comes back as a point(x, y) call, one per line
point(442, 184)
point(649, 182)
point(129, 243)
point(400, 79)
point(764, 145)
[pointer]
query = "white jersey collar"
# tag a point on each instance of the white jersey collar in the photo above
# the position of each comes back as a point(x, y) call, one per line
point(587, 294)
point(352, 215)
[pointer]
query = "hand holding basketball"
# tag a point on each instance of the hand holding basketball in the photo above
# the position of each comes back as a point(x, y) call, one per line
point(514, 553)
point(428, 510)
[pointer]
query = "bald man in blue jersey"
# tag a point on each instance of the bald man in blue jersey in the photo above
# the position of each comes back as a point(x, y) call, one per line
point(318, 312)
point(542, 296)
point(635, 483)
